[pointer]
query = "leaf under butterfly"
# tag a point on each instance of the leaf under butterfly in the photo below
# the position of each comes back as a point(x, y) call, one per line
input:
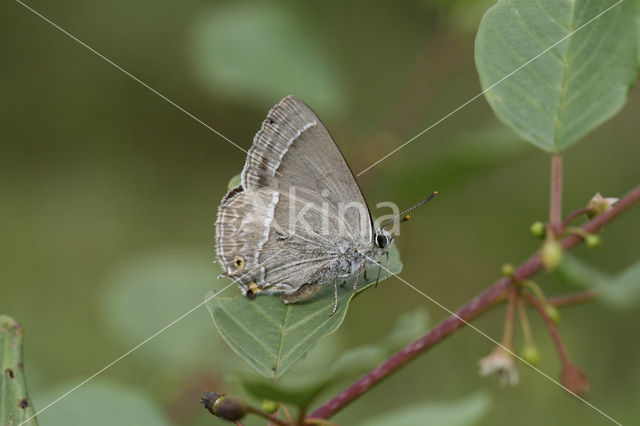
point(272, 336)
point(306, 385)
point(570, 89)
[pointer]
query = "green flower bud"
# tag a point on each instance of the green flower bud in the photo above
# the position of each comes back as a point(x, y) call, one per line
point(553, 313)
point(269, 406)
point(531, 354)
point(551, 254)
point(538, 229)
point(593, 241)
point(508, 270)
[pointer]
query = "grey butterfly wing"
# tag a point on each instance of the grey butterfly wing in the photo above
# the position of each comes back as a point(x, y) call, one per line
point(294, 149)
point(278, 255)
point(282, 227)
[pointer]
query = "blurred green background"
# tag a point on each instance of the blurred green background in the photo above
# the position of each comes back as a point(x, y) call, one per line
point(109, 195)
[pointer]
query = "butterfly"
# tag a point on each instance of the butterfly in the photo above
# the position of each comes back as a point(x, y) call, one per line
point(298, 218)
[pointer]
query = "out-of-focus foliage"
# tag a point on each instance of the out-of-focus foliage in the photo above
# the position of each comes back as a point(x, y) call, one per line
point(148, 291)
point(15, 405)
point(273, 336)
point(463, 412)
point(244, 51)
point(621, 291)
point(565, 93)
point(101, 403)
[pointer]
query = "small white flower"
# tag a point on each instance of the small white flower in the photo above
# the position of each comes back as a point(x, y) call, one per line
point(599, 204)
point(502, 363)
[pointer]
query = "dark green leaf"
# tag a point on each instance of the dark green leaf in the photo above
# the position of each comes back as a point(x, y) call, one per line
point(569, 90)
point(272, 336)
point(15, 405)
point(307, 385)
point(301, 393)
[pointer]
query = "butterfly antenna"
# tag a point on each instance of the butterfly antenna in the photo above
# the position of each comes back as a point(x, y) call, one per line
point(409, 209)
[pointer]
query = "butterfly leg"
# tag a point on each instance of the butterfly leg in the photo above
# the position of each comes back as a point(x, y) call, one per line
point(335, 297)
point(355, 282)
point(365, 274)
point(379, 270)
point(386, 265)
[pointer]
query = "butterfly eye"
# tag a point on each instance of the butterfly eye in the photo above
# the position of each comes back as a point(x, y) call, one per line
point(238, 262)
point(382, 241)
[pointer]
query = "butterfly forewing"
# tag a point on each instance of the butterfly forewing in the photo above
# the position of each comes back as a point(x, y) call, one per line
point(297, 202)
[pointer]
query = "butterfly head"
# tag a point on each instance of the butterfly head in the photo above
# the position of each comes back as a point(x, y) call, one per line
point(383, 239)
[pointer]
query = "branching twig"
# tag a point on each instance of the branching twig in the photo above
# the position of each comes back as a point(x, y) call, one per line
point(573, 299)
point(555, 205)
point(473, 308)
point(553, 331)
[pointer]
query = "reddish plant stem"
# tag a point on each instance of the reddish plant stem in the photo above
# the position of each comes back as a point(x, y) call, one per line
point(470, 310)
point(555, 204)
point(509, 319)
point(573, 299)
point(553, 331)
point(572, 216)
point(272, 419)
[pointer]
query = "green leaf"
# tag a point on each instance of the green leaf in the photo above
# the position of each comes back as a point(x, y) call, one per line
point(568, 91)
point(301, 393)
point(101, 403)
point(149, 290)
point(408, 327)
point(467, 411)
point(234, 181)
point(621, 291)
point(304, 387)
point(577, 273)
point(261, 52)
point(15, 405)
point(272, 336)
point(624, 290)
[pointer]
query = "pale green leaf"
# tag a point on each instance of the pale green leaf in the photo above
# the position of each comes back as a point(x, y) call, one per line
point(272, 336)
point(148, 290)
point(624, 290)
point(261, 52)
point(101, 403)
point(568, 91)
point(463, 412)
point(234, 181)
point(15, 405)
point(620, 291)
point(575, 272)
point(408, 327)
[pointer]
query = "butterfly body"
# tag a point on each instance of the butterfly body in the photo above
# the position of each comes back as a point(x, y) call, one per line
point(298, 218)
